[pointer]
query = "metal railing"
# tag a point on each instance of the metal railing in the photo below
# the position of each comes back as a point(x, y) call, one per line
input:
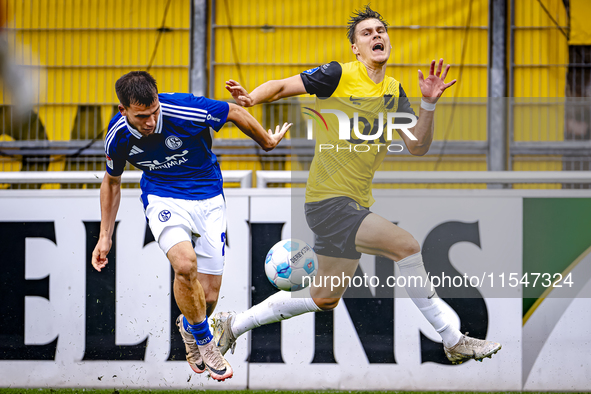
point(488, 177)
point(264, 178)
point(244, 177)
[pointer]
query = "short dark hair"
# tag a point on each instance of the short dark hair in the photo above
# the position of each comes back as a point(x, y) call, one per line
point(359, 16)
point(136, 87)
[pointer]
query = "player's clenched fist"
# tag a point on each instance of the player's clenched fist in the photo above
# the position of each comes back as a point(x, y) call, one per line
point(99, 255)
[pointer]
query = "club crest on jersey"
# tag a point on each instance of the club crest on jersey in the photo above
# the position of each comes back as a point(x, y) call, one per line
point(173, 142)
point(164, 215)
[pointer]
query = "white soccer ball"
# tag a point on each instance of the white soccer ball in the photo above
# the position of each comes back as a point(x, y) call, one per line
point(288, 262)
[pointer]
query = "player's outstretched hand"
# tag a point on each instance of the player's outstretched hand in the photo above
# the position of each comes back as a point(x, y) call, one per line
point(434, 85)
point(278, 135)
point(99, 255)
point(239, 93)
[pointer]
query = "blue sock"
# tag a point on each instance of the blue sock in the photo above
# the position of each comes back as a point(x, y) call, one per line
point(200, 331)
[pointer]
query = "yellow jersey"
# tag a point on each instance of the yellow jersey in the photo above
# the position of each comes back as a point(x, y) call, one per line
point(345, 166)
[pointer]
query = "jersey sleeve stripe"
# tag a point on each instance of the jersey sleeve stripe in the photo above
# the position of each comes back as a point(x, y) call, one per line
point(111, 133)
point(113, 130)
point(188, 109)
point(111, 137)
point(195, 119)
point(116, 125)
point(184, 113)
point(159, 127)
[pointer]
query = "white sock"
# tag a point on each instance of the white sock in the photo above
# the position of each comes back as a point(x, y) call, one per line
point(431, 306)
point(280, 306)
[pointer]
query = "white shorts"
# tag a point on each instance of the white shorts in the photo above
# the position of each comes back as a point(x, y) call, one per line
point(203, 222)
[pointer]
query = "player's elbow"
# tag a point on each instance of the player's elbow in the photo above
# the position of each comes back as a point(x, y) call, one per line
point(277, 87)
point(112, 181)
point(267, 145)
point(239, 116)
point(235, 113)
point(419, 150)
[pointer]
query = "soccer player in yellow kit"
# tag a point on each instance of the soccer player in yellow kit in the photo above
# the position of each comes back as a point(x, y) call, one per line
point(338, 191)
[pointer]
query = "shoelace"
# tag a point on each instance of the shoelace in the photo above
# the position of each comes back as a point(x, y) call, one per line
point(210, 355)
point(189, 339)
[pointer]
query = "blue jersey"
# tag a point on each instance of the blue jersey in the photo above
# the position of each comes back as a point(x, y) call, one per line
point(176, 159)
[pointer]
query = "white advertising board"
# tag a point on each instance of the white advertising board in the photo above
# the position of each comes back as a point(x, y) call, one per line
point(68, 326)
point(141, 293)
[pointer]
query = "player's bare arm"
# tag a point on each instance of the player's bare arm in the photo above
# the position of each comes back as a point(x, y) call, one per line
point(268, 92)
point(432, 88)
point(268, 140)
point(110, 199)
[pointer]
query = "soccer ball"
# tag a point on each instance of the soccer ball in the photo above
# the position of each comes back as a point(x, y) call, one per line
point(288, 262)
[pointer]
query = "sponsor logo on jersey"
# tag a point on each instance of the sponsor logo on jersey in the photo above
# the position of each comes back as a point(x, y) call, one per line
point(109, 162)
point(209, 117)
point(311, 71)
point(164, 215)
point(173, 142)
point(135, 150)
point(169, 161)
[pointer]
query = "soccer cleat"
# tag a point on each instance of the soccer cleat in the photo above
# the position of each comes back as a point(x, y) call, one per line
point(193, 355)
point(468, 348)
point(222, 331)
point(216, 364)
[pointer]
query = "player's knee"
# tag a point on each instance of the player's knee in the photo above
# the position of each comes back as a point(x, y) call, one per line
point(326, 304)
point(407, 247)
point(186, 269)
point(183, 261)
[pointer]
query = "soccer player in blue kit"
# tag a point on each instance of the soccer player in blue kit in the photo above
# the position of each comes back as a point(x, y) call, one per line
point(167, 137)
